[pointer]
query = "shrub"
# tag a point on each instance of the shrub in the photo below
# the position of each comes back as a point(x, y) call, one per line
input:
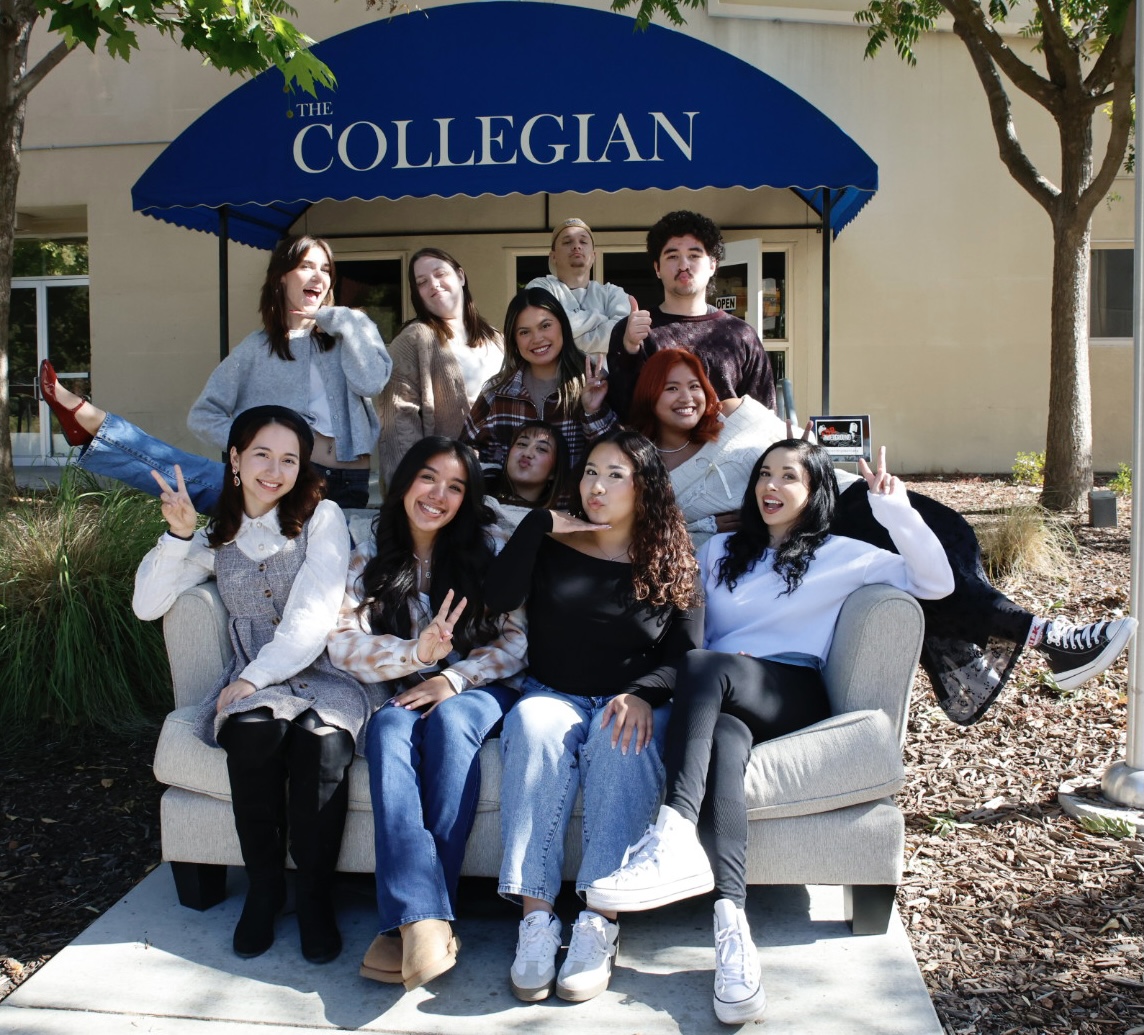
point(1121, 482)
point(72, 651)
point(1029, 469)
point(1025, 540)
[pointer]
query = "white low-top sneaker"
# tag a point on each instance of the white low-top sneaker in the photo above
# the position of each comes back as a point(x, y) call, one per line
point(667, 864)
point(739, 995)
point(533, 971)
point(592, 950)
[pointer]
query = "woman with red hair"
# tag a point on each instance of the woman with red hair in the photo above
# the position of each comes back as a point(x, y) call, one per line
point(708, 448)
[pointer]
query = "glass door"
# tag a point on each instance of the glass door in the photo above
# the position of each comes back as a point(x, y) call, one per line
point(50, 320)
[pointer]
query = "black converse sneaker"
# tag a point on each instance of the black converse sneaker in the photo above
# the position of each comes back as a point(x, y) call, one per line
point(1076, 653)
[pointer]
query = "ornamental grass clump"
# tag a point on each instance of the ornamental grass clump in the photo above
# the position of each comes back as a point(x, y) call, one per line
point(72, 652)
point(1025, 540)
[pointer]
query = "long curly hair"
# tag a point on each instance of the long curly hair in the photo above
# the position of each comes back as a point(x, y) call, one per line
point(571, 367)
point(297, 506)
point(500, 485)
point(479, 330)
point(650, 386)
point(664, 572)
point(461, 554)
point(287, 256)
point(793, 556)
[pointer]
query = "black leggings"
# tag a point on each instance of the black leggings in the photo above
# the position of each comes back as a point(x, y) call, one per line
point(724, 704)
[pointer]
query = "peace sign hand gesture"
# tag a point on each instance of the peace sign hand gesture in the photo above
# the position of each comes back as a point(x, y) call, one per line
point(178, 510)
point(595, 385)
point(436, 639)
point(881, 483)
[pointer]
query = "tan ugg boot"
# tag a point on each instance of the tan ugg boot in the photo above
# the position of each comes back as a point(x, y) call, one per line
point(429, 948)
point(382, 960)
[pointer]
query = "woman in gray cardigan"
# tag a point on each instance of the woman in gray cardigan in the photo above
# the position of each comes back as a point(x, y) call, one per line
point(324, 361)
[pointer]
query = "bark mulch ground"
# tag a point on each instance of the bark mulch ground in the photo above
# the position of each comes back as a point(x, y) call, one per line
point(1021, 921)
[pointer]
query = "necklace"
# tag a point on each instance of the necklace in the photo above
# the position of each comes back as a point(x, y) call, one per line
point(677, 449)
point(617, 557)
point(423, 567)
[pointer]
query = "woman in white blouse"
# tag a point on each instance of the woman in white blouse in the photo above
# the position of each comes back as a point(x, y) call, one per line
point(287, 719)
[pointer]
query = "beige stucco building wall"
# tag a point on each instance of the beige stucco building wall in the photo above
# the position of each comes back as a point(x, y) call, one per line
point(940, 287)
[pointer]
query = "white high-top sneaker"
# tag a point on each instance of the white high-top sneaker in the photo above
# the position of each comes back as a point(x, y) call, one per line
point(739, 995)
point(667, 864)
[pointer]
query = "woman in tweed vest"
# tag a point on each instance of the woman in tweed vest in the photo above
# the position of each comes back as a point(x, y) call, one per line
point(287, 719)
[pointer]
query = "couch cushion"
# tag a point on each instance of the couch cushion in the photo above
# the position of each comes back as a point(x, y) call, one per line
point(843, 760)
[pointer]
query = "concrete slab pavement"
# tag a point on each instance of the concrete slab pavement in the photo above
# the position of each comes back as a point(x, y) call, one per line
point(150, 965)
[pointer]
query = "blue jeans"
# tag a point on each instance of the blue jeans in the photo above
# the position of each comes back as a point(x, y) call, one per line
point(424, 778)
point(122, 451)
point(127, 453)
point(554, 747)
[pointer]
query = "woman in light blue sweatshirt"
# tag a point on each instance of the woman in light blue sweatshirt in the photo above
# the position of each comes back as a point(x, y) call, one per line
point(322, 360)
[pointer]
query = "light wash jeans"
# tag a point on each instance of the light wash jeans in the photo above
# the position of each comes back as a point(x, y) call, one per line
point(553, 747)
point(424, 780)
point(127, 453)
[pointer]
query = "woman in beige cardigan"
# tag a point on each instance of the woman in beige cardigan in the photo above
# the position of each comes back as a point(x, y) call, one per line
point(440, 359)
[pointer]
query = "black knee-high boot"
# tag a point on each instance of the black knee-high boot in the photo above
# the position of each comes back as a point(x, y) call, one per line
point(255, 759)
point(319, 796)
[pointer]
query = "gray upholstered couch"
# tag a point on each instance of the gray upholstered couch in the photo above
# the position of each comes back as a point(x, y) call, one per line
point(819, 800)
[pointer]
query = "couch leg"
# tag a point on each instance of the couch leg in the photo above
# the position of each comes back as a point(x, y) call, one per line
point(199, 885)
point(868, 907)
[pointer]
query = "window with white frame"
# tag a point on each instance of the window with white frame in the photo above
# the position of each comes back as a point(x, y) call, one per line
point(1110, 293)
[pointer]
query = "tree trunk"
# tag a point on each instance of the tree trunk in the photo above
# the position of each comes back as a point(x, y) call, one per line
point(13, 64)
point(1068, 445)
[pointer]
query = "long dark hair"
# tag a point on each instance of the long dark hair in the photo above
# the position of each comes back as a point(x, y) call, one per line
point(793, 556)
point(664, 571)
point(297, 506)
point(501, 486)
point(571, 367)
point(287, 256)
point(461, 552)
point(479, 330)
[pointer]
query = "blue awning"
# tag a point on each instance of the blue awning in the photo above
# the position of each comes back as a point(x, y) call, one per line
point(503, 97)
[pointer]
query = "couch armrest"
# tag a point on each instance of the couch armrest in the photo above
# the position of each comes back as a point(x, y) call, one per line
point(198, 643)
point(874, 655)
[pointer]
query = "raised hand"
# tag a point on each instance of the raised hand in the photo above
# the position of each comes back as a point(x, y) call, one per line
point(638, 326)
point(436, 639)
point(595, 385)
point(178, 510)
point(881, 482)
point(564, 522)
point(805, 431)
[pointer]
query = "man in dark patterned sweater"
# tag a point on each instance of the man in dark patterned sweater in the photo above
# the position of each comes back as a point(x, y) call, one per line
point(685, 248)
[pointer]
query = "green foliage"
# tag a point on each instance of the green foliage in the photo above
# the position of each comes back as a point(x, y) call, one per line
point(1029, 468)
point(238, 36)
point(72, 651)
point(63, 258)
point(943, 824)
point(1121, 482)
point(1109, 826)
point(1087, 23)
point(670, 9)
